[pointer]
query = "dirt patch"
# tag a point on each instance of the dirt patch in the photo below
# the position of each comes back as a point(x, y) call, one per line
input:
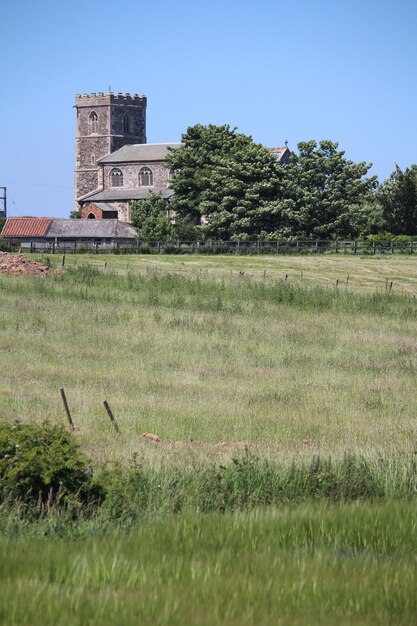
point(20, 265)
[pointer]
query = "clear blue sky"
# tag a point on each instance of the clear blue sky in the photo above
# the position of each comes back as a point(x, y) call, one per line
point(344, 70)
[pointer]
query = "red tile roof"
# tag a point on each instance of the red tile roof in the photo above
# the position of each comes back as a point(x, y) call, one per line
point(26, 227)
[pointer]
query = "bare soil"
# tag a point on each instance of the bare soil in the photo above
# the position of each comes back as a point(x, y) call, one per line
point(18, 264)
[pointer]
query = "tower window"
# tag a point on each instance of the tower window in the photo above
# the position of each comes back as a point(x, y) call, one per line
point(127, 123)
point(145, 177)
point(93, 122)
point(116, 178)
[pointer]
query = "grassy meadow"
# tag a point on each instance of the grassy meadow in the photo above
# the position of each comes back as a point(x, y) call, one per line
point(289, 368)
point(310, 565)
point(224, 358)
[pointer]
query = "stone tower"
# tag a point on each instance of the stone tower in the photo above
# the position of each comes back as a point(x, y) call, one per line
point(105, 123)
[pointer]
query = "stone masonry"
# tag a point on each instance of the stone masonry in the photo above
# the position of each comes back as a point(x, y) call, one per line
point(105, 123)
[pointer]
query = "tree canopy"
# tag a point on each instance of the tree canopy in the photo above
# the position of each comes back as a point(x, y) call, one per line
point(398, 198)
point(323, 193)
point(228, 179)
point(149, 216)
point(243, 192)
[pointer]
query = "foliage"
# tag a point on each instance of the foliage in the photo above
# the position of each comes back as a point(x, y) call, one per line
point(42, 464)
point(75, 215)
point(2, 223)
point(228, 179)
point(149, 216)
point(398, 198)
point(323, 193)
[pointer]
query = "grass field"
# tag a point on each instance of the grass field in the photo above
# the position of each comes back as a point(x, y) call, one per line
point(364, 273)
point(308, 565)
point(219, 365)
point(290, 369)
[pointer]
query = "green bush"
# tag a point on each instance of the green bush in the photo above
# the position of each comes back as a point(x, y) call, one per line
point(43, 466)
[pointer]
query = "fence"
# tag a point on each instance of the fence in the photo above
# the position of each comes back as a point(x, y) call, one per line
point(298, 246)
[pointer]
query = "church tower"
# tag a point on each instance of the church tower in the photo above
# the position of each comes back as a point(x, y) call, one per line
point(105, 123)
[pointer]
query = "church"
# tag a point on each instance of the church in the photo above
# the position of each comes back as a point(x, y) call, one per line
point(114, 164)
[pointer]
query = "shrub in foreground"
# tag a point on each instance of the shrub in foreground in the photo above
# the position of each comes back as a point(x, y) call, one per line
point(43, 466)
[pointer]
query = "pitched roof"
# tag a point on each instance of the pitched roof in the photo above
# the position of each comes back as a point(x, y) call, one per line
point(91, 228)
point(280, 152)
point(104, 206)
point(140, 152)
point(26, 227)
point(117, 194)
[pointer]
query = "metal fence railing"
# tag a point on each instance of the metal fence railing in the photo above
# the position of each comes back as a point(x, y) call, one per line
point(293, 246)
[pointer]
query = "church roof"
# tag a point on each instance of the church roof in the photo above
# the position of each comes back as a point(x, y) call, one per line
point(280, 153)
point(119, 194)
point(140, 152)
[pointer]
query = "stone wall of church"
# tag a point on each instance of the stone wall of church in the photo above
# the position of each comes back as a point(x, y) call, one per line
point(131, 171)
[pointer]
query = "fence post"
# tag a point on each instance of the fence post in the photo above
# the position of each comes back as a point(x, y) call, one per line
point(111, 416)
point(67, 411)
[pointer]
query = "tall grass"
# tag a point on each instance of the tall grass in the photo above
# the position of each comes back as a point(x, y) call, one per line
point(347, 564)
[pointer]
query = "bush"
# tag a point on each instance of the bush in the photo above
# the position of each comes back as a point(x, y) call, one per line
point(43, 466)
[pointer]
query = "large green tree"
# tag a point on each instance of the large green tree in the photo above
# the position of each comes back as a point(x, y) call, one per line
point(227, 178)
point(324, 193)
point(149, 216)
point(398, 197)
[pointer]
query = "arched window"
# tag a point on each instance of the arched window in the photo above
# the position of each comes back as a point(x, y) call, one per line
point(116, 178)
point(93, 122)
point(171, 175)
point(127, 123)
point(145, 177)
point(91, 216)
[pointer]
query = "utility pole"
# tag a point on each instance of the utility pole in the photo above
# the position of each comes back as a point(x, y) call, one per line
point(3, 207)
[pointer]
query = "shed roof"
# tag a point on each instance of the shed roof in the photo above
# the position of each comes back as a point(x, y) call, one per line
point(26, 226)
point(140, 152)
point(108, 229)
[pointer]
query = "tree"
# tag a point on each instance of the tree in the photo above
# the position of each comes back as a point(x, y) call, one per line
point(323, 193)
point(149, 216)
point(228, 179)
point(398, 197)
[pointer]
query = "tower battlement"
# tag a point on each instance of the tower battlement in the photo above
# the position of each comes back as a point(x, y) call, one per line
point(101, 98)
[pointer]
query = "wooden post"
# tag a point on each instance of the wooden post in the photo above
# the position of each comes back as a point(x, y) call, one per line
point(63, 261)
point(347, 280)
point(111, 416)
point(67, 411)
